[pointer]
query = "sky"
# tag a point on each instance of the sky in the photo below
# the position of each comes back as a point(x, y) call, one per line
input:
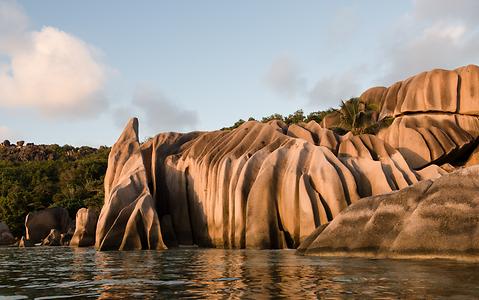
point(74, 72)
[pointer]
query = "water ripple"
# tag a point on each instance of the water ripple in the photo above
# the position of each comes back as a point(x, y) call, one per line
point(59, 272)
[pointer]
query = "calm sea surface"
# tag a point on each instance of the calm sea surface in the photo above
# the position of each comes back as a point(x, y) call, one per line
point(58, 272)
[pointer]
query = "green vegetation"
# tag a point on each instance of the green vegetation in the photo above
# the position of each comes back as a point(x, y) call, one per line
point(352, 116)
point(37, 177)
point(294, 118)
point(361, 118)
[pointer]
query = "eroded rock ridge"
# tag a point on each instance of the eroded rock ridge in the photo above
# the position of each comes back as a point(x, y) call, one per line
point(270, 185)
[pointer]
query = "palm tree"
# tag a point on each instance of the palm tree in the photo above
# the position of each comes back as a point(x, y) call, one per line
point(350, 115)
point(358, 117)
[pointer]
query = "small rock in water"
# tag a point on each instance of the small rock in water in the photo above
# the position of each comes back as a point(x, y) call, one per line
point(24, 243)
point(53, 239)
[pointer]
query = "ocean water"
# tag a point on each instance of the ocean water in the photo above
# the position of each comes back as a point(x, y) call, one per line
point(61, 272)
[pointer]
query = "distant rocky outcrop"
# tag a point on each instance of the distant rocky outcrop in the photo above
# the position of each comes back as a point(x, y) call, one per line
point(433, 218)
point(38, 225)
point(20, 152)
point(6, 237)
point(85, 229)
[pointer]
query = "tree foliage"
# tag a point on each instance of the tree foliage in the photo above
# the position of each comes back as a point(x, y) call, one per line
point(352, 116)
point(318, 116)
point(294, 118)
point(272, 117)
point(360, 118)
point(68, 182)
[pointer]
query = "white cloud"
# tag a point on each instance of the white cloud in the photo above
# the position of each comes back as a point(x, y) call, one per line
point(283, 78)
point(122, 114)
point(432, 34)
point(453, 33)
point(161, 113)
point(13, 26)
point(345, 23)
point(329, 91)
point(435, 34)
point(53, 71)
point(157, 112)
point(446, 10)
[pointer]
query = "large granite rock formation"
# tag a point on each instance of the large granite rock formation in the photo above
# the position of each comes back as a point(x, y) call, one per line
point(85, 229)
point(433, 218)
point(6, 237)
point(436, 115)
point(39, 224)
point(128, 219)
point(257, 186)
point(273, 185)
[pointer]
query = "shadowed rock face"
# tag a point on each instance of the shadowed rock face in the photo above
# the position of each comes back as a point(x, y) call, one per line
point(128, 219)
point(39, 224)
point(433, 218)
point(376, 166)
point(85, 229)
point(436, 114)
point(257, 186)
point(6, 237)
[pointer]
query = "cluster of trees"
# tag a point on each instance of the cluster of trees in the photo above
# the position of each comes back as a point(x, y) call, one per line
point(352, 116)
point(294, 118)
point(69, 181)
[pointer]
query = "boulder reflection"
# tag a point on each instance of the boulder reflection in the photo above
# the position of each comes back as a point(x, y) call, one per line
point(225, 274)
point(210, 273)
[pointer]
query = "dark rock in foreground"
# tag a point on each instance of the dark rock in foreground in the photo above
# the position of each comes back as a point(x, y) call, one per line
point(39, 224)
point(6, 237)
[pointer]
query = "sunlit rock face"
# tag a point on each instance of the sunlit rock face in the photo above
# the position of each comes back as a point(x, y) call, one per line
point(128, 219)
point(436, 115)
point(85, 228)
point(434, 218)
point(257, 186)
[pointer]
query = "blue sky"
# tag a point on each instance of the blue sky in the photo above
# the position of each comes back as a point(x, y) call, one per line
point(74, 72)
